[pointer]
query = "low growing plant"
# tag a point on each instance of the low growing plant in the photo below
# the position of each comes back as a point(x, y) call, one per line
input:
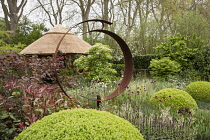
point(84, 124)
point(133, 105)
point(199, 90)
point(202, 122)
point(177, 100)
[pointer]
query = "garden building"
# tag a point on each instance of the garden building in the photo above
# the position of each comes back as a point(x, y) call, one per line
point(47, 44)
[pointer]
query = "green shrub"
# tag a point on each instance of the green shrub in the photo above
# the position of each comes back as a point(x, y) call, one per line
point(174, 98)
point(143, 61)
point(11, 48)
point(81, 124)
point(202, 64)
point(177, 48)
point(164, 67)
point(199, 90)
point(96, 65)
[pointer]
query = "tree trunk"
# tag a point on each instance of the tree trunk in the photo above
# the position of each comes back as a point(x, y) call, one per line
point(12, 13)
point(85, 7)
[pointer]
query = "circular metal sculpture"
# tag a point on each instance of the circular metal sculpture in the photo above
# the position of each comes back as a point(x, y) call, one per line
point(127, 59)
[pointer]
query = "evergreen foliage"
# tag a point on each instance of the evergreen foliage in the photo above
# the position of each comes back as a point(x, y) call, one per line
point(143, 61)
point(81, 124)
point(202, 63)
point(175, 99)
point(199, 90)
point(28, 32)
point(4, 35)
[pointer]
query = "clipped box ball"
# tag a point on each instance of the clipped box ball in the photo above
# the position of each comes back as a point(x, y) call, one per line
point(81, 124)
point(175, 99)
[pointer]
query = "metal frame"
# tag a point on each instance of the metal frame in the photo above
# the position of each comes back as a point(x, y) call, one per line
point(127, 59)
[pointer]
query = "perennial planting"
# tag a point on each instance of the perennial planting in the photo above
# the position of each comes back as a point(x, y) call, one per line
point(29, 93)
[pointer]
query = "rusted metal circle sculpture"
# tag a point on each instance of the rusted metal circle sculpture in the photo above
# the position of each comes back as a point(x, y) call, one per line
point(128, 60)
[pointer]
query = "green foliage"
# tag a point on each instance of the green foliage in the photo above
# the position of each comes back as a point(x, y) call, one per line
point(164, 67)
point(202, 64)
point(11, 48)
point(9, 119)
point(22, 104)
point(202, 121)
point(96, 65)
point(119, 68)
point(154, 124)
point(4, 36)
point(174, 98)
point(28, 32)
point(24, 35)
point(175, 47)
point(199, 90)
point(24, 98)
point(81, 124)
point(142, 61)
point(2, 25)
point(190, 23)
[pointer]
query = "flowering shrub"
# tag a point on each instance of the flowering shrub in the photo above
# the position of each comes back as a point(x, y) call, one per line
point(85, 124)
point(174, 98)
point(199, 90)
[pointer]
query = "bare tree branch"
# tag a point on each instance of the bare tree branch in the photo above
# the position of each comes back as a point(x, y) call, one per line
point(50, 19)
point(12, 13)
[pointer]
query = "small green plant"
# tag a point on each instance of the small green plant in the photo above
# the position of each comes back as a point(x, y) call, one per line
point(164, 67)
point(84, 124)
point(96, 65)
point(199, 90)
point(175, 99)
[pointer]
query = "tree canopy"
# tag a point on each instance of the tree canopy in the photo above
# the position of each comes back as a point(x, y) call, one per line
point(142, 24)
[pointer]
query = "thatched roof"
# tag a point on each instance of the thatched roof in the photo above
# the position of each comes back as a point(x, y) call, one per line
point(47, 44)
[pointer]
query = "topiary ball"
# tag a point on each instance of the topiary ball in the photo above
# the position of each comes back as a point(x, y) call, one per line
point(174, 98)
point(199, 90)
point(81, 124)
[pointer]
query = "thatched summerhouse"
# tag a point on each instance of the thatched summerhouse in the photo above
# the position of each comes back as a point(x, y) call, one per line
point(47, 44)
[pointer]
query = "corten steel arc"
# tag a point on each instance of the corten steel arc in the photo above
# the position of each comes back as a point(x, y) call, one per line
point(57, 48)
point(127, 59)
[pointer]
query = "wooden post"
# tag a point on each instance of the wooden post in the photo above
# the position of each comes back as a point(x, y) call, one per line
point(98, 102)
